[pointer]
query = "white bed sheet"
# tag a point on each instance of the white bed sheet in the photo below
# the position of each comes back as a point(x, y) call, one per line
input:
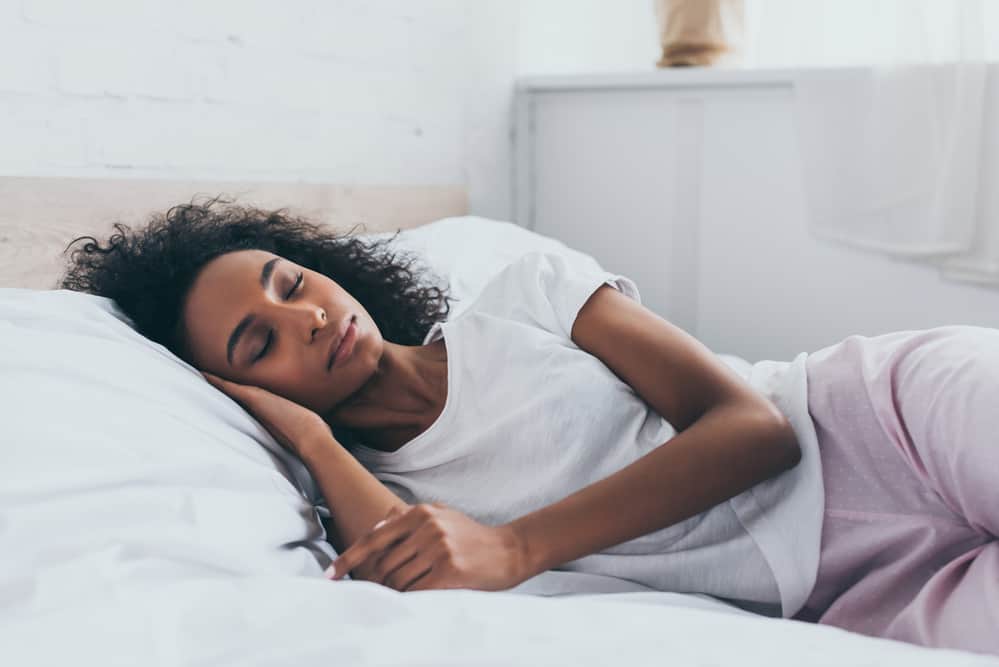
point(145, 518)
point(261, 620)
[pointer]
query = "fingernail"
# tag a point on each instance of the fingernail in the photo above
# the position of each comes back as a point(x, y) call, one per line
point(380, 523)
point(331, 571)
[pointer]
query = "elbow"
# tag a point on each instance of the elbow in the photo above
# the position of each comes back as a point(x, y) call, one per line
point(786, 447)
point(775, 448)
point(778, 441)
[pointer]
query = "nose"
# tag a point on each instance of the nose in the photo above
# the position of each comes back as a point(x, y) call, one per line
point(302, 320)
point(310, 320)
point(318, 322)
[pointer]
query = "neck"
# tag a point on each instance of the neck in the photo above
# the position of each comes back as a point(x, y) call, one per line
point(402, 398)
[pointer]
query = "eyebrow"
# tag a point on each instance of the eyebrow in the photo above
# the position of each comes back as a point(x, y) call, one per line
point(265, 278)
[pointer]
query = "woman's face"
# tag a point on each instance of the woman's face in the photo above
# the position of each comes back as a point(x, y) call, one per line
point(256, 318)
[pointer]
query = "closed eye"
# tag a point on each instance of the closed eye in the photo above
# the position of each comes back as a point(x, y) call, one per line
point(270, 334)
point(263, 350)
point(298, 281)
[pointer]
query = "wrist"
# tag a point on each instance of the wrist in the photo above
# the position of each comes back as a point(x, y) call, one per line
point(524, 553)
point(317, 445)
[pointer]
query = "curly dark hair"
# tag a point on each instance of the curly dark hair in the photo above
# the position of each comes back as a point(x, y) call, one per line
point(148, 271)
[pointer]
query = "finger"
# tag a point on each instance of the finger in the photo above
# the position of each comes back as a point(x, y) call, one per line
point(424, 583)
point(395, 510)
point(216, 381)
point(411, 572)
point(357, 561)
point(368, 570)
point(426, 559)
point(380, 575)
point(374, 542)
point(421, 542)
point(429, 580)
point(372, 565)
point(241, 393)
point(364, 572)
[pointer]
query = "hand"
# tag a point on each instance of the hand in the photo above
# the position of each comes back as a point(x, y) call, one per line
point(291, 424)
point(432, 546)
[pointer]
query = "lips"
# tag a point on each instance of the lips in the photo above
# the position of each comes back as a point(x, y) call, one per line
point(338, 341)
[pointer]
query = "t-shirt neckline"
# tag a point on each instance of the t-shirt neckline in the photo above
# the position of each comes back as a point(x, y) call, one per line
point(381, 455)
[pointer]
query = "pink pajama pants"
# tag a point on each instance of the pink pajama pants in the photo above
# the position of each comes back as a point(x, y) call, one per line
point(908, 427)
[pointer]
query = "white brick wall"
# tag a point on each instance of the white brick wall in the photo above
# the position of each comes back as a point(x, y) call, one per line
point(347, 91)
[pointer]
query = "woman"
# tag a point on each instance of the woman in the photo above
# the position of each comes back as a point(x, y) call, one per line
point(854, 486)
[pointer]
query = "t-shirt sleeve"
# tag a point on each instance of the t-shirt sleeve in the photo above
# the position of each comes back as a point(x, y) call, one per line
point(548, 290)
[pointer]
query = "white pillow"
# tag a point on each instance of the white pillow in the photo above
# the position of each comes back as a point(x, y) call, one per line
point(467, 251)
point(120, 460)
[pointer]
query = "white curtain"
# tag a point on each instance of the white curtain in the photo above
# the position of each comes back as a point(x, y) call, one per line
point(897, 110)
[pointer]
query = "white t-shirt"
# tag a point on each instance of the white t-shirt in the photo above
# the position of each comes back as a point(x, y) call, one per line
point(530, 418)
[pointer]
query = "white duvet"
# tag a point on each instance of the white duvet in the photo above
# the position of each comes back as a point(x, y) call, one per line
point(146, 519)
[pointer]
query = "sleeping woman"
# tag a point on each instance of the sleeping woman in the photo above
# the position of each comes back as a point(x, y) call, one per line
point(557, 424)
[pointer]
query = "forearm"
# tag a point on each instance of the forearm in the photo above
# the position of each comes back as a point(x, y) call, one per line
point(356, 499)
point(728, 450)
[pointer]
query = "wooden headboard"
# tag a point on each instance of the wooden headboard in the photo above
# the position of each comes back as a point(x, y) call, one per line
point(39, 216)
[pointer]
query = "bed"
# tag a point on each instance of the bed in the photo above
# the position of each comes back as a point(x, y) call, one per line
point(146, 519)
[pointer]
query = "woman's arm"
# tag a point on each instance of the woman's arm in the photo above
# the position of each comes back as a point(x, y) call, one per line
point(356, 499)
point(728, 450)
point(729, 439)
